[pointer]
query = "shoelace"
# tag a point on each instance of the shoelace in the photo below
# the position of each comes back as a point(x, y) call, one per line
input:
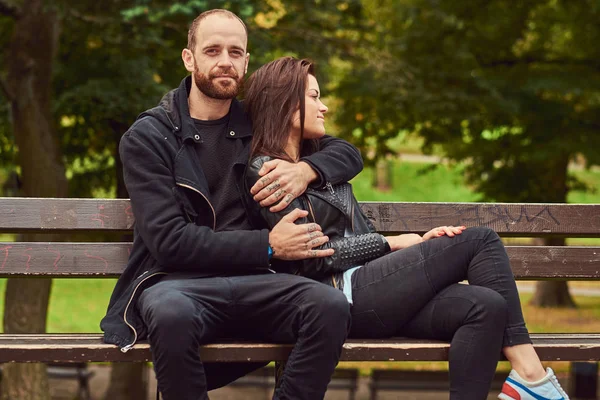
point(559, 388)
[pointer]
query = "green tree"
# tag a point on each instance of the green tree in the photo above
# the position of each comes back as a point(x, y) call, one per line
point(73, 77)
point(510, 88)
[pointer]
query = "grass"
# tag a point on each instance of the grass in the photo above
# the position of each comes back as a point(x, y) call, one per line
point(416, 182)
point(76, 305)
point(413, 181)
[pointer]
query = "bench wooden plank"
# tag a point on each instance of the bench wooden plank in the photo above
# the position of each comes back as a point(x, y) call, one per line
point(512, 219)
point(89, 348)
point(109, 259)
point(19, 214)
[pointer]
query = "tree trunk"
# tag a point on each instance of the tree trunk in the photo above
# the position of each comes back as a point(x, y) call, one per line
point(32, 51)
point(382, 175)
point(128, 381)
point(551, 187)
point(552, 293)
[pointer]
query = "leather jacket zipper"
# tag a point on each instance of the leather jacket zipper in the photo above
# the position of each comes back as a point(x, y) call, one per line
point(205, 198)
point(310, 209)
point(125, 349)
point(329, 186)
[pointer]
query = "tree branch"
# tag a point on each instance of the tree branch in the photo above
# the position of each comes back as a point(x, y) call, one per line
point(510, 62)
point(10, 10)
point(106, 20)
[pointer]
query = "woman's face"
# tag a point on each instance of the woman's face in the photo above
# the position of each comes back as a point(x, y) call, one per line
point(314, 112)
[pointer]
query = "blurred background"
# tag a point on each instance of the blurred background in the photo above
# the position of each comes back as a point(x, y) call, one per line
point(463, 100)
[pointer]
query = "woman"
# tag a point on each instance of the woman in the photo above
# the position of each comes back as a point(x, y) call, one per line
point(404, 285)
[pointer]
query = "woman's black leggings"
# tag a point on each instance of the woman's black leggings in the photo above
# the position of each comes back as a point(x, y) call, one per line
point(415, 292)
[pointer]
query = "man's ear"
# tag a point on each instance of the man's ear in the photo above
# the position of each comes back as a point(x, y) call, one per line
point(247, 60)
point(188, 59)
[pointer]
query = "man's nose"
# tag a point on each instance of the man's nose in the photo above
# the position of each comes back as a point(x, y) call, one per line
point(225, 60)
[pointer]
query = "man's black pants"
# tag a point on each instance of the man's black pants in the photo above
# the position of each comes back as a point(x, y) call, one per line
point(182, 314)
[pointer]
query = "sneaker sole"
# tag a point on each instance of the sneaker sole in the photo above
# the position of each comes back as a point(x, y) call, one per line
point(503, 396)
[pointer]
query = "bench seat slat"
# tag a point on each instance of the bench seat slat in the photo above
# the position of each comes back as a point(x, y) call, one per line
point(89, 348)
point(512, 219)
point(109, 260)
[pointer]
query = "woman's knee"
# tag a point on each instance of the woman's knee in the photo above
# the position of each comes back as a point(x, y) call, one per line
point(489, 306)
point(482, 232)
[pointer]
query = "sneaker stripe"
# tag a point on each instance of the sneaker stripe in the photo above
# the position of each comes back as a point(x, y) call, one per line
point(528, 391)
point(510, 392)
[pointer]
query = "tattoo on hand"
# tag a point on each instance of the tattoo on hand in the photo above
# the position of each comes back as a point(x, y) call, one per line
point(276, 185)
point(289, 197)
point(312, 228)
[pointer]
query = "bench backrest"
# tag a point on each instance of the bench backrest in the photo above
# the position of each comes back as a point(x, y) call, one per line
point(108, 259)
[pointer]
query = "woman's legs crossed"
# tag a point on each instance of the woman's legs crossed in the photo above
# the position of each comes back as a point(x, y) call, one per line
point(472, 318)
point(389, 291)
point(395, 287)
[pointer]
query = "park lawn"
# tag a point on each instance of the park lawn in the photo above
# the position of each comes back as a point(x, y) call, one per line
point(412, 181)
point(76, 305)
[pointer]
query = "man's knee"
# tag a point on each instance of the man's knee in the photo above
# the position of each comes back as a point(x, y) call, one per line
point(331, 305)
point(164, 308)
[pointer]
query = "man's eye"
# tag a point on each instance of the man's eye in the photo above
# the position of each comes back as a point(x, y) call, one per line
point(211, 51)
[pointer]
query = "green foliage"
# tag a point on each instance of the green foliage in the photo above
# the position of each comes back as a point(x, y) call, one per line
point(513, 88)
point(116, 59)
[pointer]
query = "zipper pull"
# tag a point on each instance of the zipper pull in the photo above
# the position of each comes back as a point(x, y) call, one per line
point(330, 187)
point(126, 348)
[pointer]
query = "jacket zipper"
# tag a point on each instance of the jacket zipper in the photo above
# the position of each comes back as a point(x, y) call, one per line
point(329, 186)
point(310, 209)
point(205, 198)
point(125, 349)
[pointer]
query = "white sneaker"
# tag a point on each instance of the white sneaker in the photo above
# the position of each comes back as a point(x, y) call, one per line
point(547, 388)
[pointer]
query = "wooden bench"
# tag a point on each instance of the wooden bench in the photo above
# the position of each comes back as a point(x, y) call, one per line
point(108, 259)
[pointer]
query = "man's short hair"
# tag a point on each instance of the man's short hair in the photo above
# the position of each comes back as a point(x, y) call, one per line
point(196, 22)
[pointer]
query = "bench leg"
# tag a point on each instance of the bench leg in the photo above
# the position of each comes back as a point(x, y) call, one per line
point(583, 380)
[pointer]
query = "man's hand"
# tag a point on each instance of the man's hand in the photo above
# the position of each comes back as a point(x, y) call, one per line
point(281, 182)
point(296, 242)
point(444, 230)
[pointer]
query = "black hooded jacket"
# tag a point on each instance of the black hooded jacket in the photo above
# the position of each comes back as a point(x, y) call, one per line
point(174, 219)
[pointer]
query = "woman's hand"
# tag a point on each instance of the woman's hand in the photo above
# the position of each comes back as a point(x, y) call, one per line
point(444, 230)
point(403, 241)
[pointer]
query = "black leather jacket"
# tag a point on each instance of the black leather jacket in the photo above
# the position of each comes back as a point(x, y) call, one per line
point(334, 207)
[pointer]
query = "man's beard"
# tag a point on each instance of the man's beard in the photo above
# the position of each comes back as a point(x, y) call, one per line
point(223, 90)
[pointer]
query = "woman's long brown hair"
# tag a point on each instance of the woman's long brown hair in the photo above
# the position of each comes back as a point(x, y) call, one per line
point(273, 94)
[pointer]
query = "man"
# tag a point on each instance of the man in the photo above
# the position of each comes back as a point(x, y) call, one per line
point(197, 273)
